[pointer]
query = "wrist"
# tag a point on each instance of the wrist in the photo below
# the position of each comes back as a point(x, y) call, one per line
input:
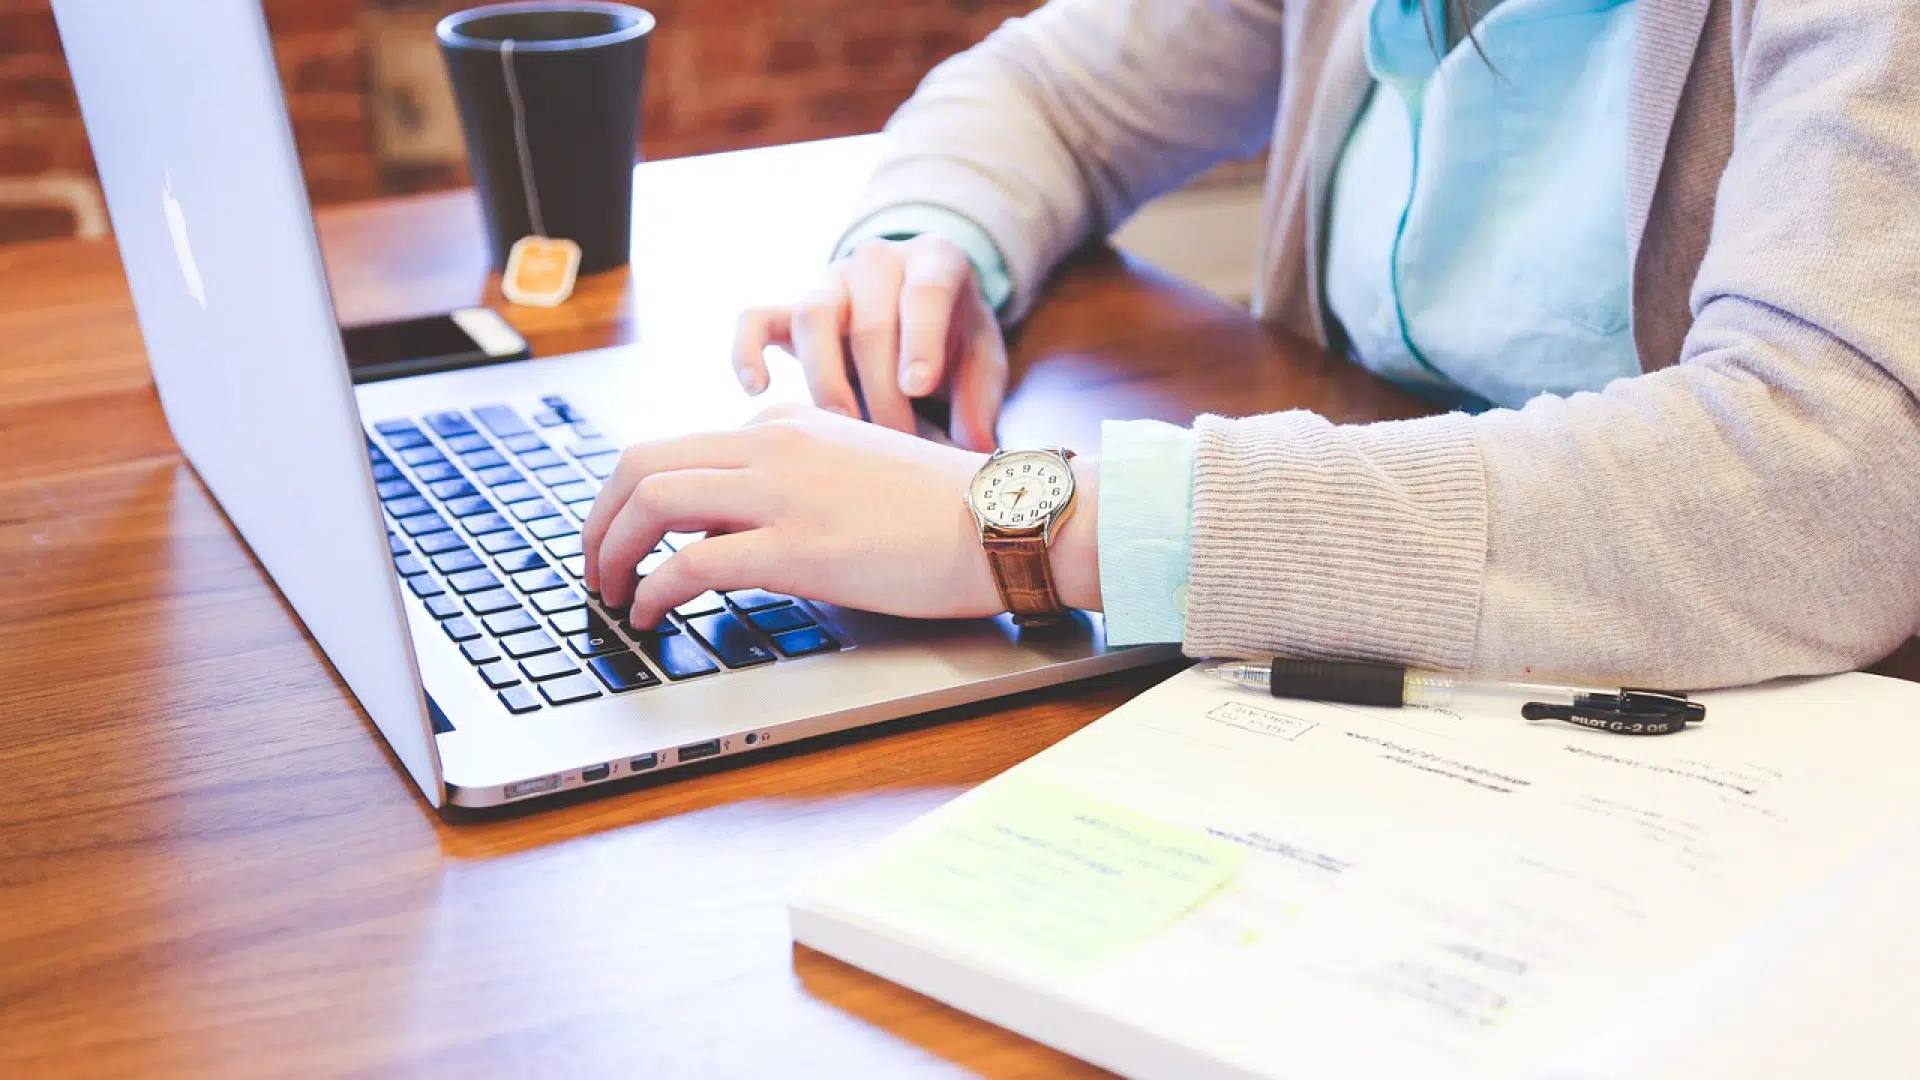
point(1075, 553)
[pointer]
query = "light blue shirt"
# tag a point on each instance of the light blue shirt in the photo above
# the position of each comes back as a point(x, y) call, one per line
point(1476, 254)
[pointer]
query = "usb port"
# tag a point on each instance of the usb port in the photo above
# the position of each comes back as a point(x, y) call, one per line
point(642, 764)
point(598, 772)
point(699, 750)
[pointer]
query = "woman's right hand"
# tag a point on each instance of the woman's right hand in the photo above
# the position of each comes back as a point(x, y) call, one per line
point(890, 321)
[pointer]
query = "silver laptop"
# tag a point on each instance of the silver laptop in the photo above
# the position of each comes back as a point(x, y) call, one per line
point(426, 529)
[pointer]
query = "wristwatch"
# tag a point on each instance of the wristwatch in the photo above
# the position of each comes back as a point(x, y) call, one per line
point(1019, 498)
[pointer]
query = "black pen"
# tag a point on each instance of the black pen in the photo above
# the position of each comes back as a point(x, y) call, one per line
point(1627, 711)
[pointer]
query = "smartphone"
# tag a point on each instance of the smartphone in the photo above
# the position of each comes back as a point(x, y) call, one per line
point(471, 337)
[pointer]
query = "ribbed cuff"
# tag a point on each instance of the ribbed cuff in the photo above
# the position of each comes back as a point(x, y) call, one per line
point(917, 219)
point(1146, 508)
point(1316, 540)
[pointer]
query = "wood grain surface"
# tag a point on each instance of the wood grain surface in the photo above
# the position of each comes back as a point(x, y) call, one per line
point(211, 866)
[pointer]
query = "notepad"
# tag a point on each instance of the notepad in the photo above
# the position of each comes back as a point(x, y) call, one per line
point(1208, 883)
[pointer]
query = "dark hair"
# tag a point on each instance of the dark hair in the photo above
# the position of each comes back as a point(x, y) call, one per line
point(1450, 11)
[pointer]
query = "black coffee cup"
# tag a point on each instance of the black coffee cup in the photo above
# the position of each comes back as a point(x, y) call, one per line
point(549, 96)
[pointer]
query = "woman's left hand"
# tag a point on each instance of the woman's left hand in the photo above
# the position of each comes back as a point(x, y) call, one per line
point(817, 505)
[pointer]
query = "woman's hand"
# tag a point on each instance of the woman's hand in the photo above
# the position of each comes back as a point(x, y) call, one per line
point(906, 319)
point(816, 505)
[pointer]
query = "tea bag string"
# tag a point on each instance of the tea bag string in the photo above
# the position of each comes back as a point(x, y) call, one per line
point(520, 138)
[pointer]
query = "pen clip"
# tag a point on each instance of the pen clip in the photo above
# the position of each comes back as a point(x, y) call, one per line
point(1629, 712)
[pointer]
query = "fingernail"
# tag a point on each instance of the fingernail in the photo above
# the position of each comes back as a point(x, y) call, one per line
point(756, 383)
point(917, 378)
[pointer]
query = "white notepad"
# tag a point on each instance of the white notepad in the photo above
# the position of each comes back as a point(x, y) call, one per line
point(1212, 883)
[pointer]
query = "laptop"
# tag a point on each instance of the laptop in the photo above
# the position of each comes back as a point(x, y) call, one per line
point(426, 529)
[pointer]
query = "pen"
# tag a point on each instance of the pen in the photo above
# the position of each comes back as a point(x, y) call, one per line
point(1627, 711)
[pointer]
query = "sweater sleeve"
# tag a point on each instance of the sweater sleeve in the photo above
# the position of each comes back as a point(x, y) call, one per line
point(1749, 513)
point(1059, 125)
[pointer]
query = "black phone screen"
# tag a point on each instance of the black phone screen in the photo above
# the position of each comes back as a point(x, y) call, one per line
point(469, 338)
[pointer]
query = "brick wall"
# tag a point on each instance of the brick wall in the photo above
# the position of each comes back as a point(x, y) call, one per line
point(372, 116)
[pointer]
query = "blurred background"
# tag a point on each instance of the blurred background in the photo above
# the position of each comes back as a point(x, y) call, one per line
point(373, 115)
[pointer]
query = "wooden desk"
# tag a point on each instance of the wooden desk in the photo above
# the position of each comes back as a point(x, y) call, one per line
point(211, 866)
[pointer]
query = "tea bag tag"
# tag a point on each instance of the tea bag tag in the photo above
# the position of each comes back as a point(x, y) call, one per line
point(541, 271)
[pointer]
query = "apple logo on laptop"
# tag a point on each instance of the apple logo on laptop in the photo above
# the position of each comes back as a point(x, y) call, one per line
point(177, 225)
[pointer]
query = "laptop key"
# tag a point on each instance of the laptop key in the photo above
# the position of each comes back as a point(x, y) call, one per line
point(706, 603)
point(480, 651)
point(665, 628)
point(575, 565)
point(516, 492)
point(548, 418)
point(540, 459)
point(482, 459)
point(623, 671)
point(519, 699)
point(436, 472)
point(501, 420)
point(569, 690)
point(549, 527)
point(503, 623)
point(804, 642)
point(750, 600)
point(592, 447)
point(538, 580)
point(532, 510)
point(394, 489)
point(443, 606)
point(731, 640)
point(391, 427)
point(523, 443)
point(499, 674)
point(482, 524)
point(469, 505)
point(569, 622)
point(409, 565)
point(600, 466)
point(597, 640)
point(558, 600)
point(440, 542)
point(424, 586)
point(407, 438)
point(452, 489)
point(420, 524)
point(473, 581)
point(678, 657)
point(502, 542)
point(555, 475)
point(501, 474)
point(460, 629)
point(408, 505)
point(652, 563)
point(385, 472)
point(779, 620)
point(531, 643)
point(422, 455)
point(449, 424)
point(548, 666)
point(395, 544)
point(517, 562)
point(486, 603)
point(454, 562)
point(468, 443)
point(577, 491)
point(563, 547)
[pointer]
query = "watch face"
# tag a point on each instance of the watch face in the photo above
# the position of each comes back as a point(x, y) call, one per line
point(1022, 490)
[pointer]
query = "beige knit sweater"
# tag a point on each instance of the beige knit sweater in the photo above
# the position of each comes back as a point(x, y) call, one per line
point(1749, 508)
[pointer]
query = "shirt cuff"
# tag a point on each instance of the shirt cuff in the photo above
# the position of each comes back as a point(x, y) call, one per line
point(1146, 515)
point(908, 220)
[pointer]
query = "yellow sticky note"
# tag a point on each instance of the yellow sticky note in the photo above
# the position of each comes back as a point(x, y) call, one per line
point(1036, 875)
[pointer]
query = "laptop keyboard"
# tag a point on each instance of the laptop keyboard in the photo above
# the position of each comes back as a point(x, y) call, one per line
point(484, 508)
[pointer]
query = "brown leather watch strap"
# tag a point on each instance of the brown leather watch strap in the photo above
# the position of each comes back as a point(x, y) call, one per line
point(1024, 575)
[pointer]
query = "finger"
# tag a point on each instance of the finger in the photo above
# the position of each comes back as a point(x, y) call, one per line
point(980, 386)
point(693, 500)
point(713, 450)
point(819, 324)
point(931, 290)
point(757, 329)
point(737, 561)
point(873, 330)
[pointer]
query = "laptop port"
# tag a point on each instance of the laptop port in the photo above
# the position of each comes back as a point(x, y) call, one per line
point(531, 787)
point(598, 772)
point(642, 764)
point(699, 750)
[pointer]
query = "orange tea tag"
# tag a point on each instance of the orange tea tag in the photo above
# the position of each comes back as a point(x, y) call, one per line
point(541, 271)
